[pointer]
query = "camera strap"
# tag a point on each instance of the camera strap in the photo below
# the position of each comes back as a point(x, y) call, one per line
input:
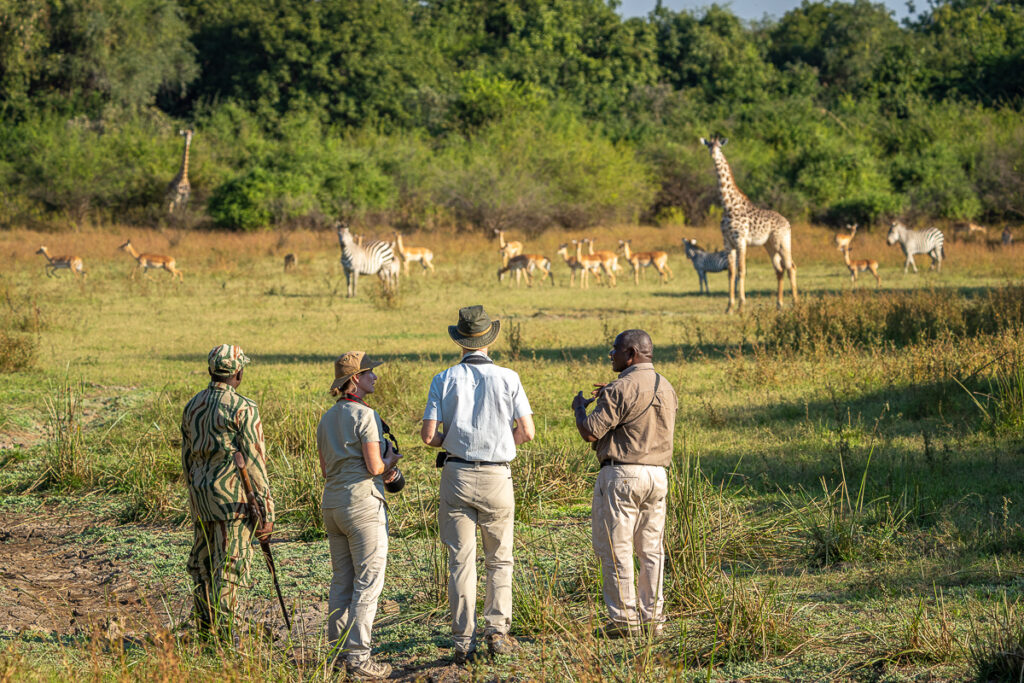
point(384, 425)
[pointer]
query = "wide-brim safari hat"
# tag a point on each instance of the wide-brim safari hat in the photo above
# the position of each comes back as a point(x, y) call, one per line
point(475, 329)
point(349, 365)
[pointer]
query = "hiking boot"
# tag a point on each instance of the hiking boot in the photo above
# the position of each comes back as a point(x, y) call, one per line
point(501, 644)
point(654, 629)
point(463, 657)
point(368, 668)
point(618, 629)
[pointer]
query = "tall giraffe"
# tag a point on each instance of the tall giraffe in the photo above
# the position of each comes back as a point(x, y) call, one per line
point(743, 225)
point(179, 189)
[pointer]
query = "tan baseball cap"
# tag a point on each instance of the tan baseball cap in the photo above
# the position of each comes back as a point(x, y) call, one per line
point(350, 364)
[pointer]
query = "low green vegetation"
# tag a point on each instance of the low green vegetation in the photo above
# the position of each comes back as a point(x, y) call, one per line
point(843, 500)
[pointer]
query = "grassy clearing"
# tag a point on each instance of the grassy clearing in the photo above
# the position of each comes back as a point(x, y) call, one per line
point(845, 500)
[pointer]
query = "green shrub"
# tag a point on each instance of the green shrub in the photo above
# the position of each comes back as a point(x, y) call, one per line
point(244, 202)
point(17, 351)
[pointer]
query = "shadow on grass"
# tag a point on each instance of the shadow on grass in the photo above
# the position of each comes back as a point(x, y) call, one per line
point(585, 354)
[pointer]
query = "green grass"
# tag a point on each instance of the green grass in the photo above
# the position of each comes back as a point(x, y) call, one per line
point(838, 511)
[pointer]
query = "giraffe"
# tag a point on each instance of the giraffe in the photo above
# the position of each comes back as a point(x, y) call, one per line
point(743, 225)
point(179, 188)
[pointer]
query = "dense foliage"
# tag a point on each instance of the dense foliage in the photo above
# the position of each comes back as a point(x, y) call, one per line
point(520, 113)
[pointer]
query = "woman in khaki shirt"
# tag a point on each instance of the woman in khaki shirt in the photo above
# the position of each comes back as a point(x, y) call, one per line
point(353, 457)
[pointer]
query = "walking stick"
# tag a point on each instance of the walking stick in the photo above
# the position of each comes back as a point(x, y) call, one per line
point(259, 518)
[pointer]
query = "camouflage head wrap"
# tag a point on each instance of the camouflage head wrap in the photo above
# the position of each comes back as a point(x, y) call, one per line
point(227, 359)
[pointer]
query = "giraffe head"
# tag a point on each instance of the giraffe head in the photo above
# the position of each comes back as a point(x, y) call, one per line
point(186, 133)
point(714, 142)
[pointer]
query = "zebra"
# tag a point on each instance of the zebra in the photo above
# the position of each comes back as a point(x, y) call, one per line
point(928, 241)
point(374, 258)
point(705, 262)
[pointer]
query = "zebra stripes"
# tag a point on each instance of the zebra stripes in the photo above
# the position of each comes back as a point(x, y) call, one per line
point(705, 262)
point(373, 258)
point(928, 241)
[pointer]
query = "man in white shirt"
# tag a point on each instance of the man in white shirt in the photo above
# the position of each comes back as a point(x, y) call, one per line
point(485, 415)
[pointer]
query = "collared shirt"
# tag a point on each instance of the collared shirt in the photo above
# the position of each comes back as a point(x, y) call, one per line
point(632, 423)
point(477, 404)
point(216, 423)
point(340, 437)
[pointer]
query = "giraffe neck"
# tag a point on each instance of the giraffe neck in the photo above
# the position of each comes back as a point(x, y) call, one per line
point(184, 159)
point(732, 197)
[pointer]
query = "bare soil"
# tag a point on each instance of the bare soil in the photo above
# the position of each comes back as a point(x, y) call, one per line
point(52, 582)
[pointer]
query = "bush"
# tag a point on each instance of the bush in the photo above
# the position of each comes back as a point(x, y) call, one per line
point(535, 171)
point(899, 319)
point(17, 351)
point(244, 202)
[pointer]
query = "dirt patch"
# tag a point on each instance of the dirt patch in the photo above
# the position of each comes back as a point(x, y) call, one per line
point(53, 582)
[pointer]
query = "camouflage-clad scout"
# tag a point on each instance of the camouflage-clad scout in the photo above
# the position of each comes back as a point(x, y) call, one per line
point(216, 423)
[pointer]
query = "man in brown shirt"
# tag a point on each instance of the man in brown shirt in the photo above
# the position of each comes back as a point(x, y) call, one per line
point(631, 427)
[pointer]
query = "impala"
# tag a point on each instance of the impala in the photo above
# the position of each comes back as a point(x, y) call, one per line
point(524, 264)
point(571, 261)
point(53, 264)
point(643, 259)
point(860, 266)
point(507, 249)
point(422, 254)
point(609, 260)
point(147, 261)
point(843, 241)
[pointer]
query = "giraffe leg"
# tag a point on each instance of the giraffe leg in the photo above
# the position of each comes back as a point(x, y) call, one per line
point(741, 267)
point(733, 257)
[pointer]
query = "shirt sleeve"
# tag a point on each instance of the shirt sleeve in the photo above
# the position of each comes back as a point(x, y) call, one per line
point(366, 427)
point(520, 404)
point(250, 437)
point(607, 414)
point(433, 409)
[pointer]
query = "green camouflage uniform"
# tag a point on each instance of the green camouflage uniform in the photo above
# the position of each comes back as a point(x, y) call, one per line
point(216, 423)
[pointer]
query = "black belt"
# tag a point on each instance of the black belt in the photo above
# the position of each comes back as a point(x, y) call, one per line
point(452, 458)
point(616, 463)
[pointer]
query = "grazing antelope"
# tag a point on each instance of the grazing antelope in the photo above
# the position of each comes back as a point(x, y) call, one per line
point(608, 259)
point(928, 241)
point(843, 241)
point(571, 261)
point(861, 265)
point(53, 264)
point(422, 254)
point(968, 231)
point(643, 259)
point(290, 261)
point(705, 262)
point(593, 264)
point(507, 249)
point(147, 261)
point(745, 225)
point(524, 264)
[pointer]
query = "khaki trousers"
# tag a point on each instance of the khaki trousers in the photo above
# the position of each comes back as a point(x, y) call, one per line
point(358, 537)
point(627, 515)
point(475, 495)
point(219, 564)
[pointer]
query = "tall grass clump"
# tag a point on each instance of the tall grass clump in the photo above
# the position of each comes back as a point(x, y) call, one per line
point(839, 528)
point(753, 624)
point(866, 321)
point(68, 464)
point(1003, 405)
point(17, 351)
point(996, 653)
